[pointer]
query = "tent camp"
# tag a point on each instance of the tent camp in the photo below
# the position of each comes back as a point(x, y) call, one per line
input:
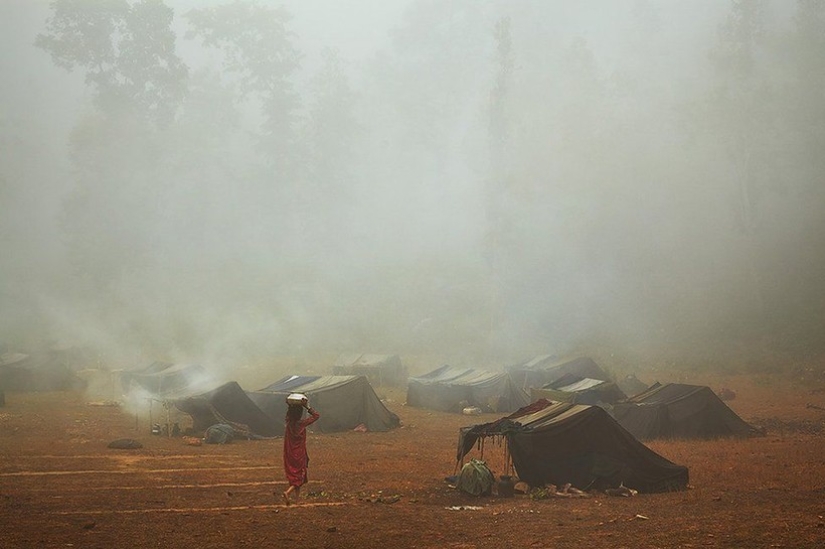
point(559, 443)
point(344, 402)
point(450, 389)
point(676, 410)
point(544, 369)
point(229, 404)
point(378, 369)
point(578, 390)
point(163, 378)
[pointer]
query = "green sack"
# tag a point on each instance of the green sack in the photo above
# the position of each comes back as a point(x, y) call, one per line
point(219, 433)
point(476, 478)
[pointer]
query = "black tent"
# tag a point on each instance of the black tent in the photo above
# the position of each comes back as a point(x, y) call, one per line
point(344, 402)
point(229, 404)
point(450, 389)
point(378, 369)
point(544, 369)
point(578, 390)
point(559, 443)
point(676, 410)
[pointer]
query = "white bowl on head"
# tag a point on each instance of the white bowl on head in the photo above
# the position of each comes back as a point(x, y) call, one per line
point(296, 399)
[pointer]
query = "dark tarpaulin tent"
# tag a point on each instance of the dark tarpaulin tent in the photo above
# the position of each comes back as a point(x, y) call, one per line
point(44, 371)
point(676, 410)
point(229, 404)
point(449, 389)
point(344, 402)
point(572, 388)
point(559, 443)
point(162, 378)
point(544, 369)
point(378, 369)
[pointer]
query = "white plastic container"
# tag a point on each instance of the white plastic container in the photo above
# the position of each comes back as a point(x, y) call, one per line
point(296, 399)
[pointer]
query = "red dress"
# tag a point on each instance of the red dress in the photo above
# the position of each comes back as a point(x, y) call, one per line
point(295, 449)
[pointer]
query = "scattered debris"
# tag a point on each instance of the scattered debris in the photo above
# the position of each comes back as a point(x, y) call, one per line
point(471, 411)
point(781, 426)
point(464, 508)
point(622, 491)
point(521, 487)
point(192, 441)
point(640, 517)
point(395, 498)
point(551, 491)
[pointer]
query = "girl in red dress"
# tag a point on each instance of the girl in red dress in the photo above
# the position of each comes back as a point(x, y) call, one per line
point(295, 448)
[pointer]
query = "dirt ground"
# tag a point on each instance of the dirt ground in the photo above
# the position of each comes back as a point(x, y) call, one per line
point(60, 486)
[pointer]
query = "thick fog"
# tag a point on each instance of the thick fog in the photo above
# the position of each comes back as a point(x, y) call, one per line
point(227, 182)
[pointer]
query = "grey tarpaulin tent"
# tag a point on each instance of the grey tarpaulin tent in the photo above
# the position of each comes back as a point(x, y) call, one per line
point(544, 369)
point(344, 402)
point(378, 369)
point(559, 443)
point(675, 410)
point(450, 388)
point(571, 388)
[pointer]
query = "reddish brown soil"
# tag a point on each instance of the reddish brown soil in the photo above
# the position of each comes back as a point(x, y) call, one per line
point(60, 486)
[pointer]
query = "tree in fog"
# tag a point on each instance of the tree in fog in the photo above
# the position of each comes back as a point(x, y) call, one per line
point(258, 52)
point(127, 51)
point(733, 118)
point(424, 103)
point(634, 173)
point(496, 191)
point(739, 100)
point(331, 139)
point(801, 105)
point(257, 60)
point(556, 252)
point(760, 121)
point(128, 54)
